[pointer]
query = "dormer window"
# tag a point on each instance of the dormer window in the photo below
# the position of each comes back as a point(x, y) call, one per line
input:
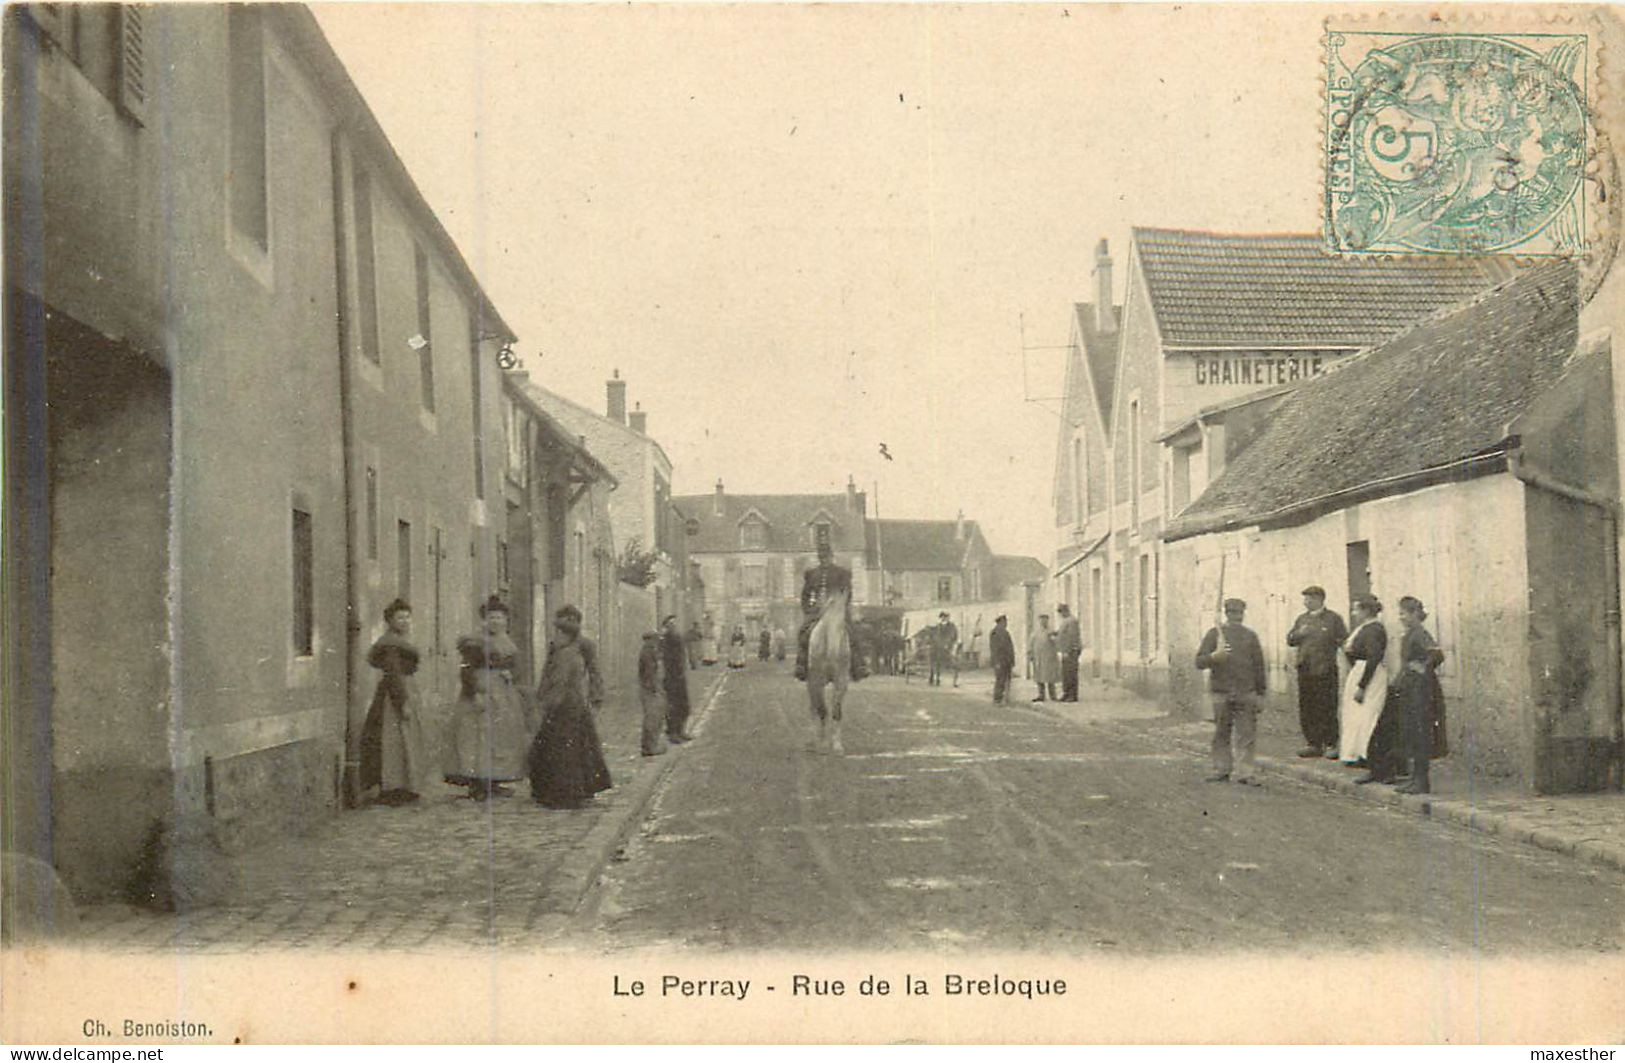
point(821, 534)
point(753, 534)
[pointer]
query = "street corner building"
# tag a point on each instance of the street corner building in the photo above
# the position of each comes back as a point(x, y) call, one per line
point(1469, 461)
point(1162, 391)
point(253, 395)
point(615, 545)
point(750, 552)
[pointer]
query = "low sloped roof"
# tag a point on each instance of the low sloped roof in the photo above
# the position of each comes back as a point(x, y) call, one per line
point(1231, 289)
point(1100, 349)
point(922, 545)
point(787, 517)
point(1434, 396)
point(1010, 569)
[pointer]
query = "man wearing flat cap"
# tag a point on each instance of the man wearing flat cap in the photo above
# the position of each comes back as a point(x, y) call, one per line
point(1235, 664)
point(1317, 634)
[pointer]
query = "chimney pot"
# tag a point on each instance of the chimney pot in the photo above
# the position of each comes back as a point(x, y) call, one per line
point(1105, 317)
point(640, 420)
point(616, 387)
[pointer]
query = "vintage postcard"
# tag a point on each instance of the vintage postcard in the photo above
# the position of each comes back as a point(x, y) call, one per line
point(812, 523)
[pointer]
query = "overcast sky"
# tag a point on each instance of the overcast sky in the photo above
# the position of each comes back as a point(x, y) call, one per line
point(800, 232)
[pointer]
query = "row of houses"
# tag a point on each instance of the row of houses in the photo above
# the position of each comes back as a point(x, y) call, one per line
point(254, 393)
point(1257, 416)
point(750, 551)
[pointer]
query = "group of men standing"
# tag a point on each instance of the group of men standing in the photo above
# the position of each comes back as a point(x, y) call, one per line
point(663, 666)
point(1230, 652)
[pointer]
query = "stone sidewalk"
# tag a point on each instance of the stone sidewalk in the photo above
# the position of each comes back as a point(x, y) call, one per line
point(443, 871)
point(1590, 827)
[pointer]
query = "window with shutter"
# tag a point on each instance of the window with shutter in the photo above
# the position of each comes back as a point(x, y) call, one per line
point(48, 17)
point(132, 84)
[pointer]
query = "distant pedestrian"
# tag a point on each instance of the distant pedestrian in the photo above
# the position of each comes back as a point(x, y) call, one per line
point(649, 696)
point(1002, 655)
point(764, 645)
point(693, 643)
point(392, 759)
point(1317, 634)
point(736, 648)
point(1046, 659)
point(1070, 642)
point(1234, 661)
point(566, 760)
point(674, 677)
point(1366, 688)
point(710, 652)
point(944, 649)
point(778, 643)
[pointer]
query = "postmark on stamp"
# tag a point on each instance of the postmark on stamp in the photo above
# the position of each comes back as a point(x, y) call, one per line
point(1451, 143)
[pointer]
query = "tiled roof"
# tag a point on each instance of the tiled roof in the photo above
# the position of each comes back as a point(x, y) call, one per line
point(787, 516)
point(1100, 348)
point(581, 419)
point(922, 545)
point(1433, 396)
point(1011, 569)
point(1282, 290)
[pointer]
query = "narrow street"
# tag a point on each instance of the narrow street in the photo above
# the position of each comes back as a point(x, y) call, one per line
point(953, 823)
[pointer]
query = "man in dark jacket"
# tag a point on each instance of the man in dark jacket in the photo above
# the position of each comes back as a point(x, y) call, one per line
point(674, 676)
point(1069, 640)
point(654, 707)
point(1235, 663)
point(817, 585)
point(1002, 655)
point(944, 649)
point(1317, 634)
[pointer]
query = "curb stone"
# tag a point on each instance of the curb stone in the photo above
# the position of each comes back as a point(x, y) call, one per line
point(581, 870)
point(1455, 811)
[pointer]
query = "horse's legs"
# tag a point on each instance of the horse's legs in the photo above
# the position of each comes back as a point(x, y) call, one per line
point(815, 695)
point(840, 683)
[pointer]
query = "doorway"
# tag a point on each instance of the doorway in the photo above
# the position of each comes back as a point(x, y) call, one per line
point(1359, 571)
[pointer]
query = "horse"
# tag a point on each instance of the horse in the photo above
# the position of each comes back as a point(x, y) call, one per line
point(829, 663)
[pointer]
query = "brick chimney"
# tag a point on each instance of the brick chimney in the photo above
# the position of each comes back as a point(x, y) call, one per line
point(617, 398)
point(959, 526)
point(716, 503)
point(640, 420)
point(851, 494)
point(1105, 317)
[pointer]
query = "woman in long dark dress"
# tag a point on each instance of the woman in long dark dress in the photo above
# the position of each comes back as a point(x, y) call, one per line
point(1417, 689)
point(392, 761)
point(566, 760)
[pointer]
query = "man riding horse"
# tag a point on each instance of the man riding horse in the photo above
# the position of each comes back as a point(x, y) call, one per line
point(817, 585)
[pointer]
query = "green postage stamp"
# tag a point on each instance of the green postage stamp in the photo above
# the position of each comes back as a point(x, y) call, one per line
point(1452, 143)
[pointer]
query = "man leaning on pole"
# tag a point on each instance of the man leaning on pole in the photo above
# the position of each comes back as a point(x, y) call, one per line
point(1234, 660)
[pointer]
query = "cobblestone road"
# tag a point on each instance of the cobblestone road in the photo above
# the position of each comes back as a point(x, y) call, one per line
point(954, 824)
point(443, 872)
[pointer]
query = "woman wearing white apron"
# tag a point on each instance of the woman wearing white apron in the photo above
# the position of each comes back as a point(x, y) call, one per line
point(1366, 687)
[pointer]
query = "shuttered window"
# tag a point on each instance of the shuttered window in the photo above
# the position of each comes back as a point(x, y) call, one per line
point(107, 42)
point(304, 585)
point(246, 181)
point(132, 85)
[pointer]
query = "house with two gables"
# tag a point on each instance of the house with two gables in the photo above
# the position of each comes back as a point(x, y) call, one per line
point(1469, 462)
point(1163, 391)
